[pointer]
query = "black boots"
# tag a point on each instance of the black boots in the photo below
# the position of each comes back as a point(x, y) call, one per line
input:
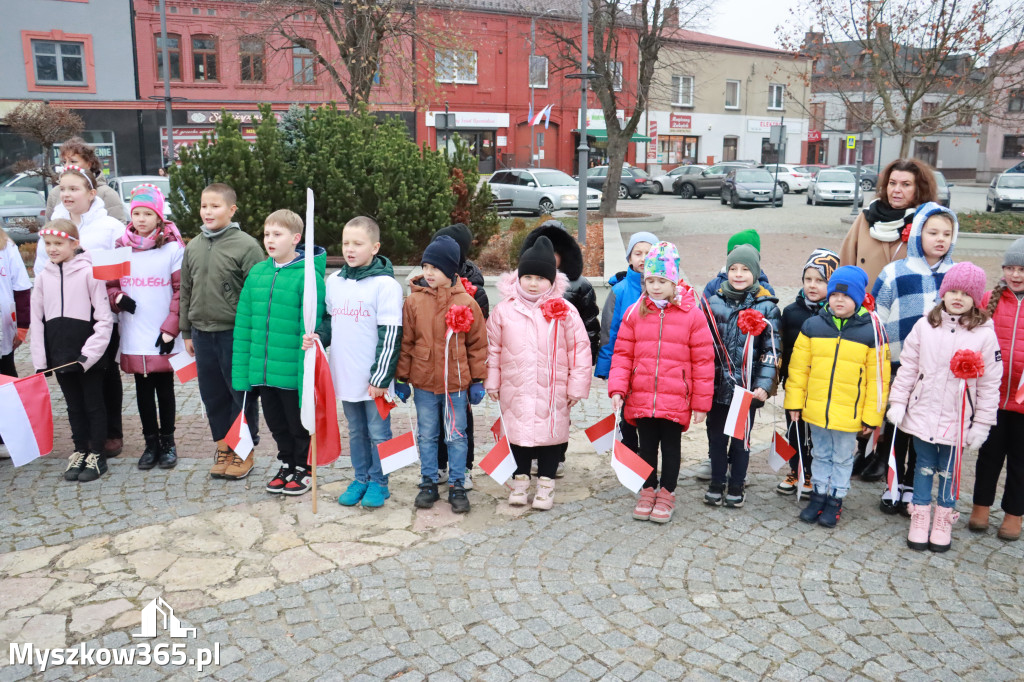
point(160, 451)
point(151, 454)
point(813, 509)
point(168, 452)
point(427, 495)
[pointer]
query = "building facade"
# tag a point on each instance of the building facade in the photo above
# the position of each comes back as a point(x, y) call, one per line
point(1001, 144)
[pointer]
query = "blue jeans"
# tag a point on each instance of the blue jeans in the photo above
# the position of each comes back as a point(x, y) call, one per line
point(834, 452)
point(933, 458)
point(430, 425)
point(366, 430)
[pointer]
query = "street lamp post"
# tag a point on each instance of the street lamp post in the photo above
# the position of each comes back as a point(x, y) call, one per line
point(533, 50)
point(584, 147)
point(168, 119)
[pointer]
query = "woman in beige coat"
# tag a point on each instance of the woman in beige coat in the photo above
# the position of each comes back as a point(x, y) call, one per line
point(78, 153)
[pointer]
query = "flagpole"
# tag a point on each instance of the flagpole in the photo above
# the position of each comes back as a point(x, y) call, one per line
point(312, 444)
point(309, 321)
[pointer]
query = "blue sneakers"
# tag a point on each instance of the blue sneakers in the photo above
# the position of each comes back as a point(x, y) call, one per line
point(353, 494)
point(375, 495)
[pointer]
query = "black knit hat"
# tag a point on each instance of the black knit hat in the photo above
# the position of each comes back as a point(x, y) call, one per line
point(443, 254)
point(539, 260)
point(461, 234)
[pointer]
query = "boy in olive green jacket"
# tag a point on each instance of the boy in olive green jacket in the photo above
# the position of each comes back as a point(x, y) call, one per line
point(267, 348)
point(213, 268)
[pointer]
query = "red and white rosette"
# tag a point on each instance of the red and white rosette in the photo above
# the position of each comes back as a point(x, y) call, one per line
point(750, 322)
point(965, 365)
point(458, 320)
point(555, 310)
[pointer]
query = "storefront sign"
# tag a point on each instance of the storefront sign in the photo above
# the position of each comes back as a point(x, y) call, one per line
point(188, 136)
point(754, 126)
point(473, 119)
point(652, 146)
point(814, 136)
point(210, 117)
point(595, 118)
point(795, 126)
point(679, 122)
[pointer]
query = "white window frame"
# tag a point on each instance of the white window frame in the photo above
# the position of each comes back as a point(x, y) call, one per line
point(455, 66)
point(59, 56)
point(682, 90)
point(617, 76)
point(537, 60)
point(772, 97)
point(738, 94)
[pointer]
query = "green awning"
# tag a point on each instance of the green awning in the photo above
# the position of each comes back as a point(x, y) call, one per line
point(602, 134)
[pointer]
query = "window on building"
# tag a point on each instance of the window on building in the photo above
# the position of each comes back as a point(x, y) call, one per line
point(303, 66)
point(928, 110)
point(59, 63)
point(538, 71)
point(729, 146)
point(252, 52)
point(732, 94)
point(1013, 146)
point(965, 117)
point(1015, 102)
point(204, 58)
point(682, 91)
point(776, 96)
point(817, 116)
point(616, 76)
point(378, 79)
point(455, 66)
point(173, 56)
point(859, 115)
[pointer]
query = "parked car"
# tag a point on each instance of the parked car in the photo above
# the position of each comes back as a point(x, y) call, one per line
point(634, 183)
point(22, 213)
point(1019, 168)
point(814, 168)
point(708, 181)
point(540, 190)
point(833, 186)
point(28, 180)
point(1006, 193)
point(750, 187)
point(795, 178)
point(868, 176)
point(124, 184)
point(667, 181)
point(942, 187)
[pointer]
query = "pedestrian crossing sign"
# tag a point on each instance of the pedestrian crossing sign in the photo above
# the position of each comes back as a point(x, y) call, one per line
point(851, 141)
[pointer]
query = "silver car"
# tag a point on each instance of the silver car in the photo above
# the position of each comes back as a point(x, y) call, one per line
point(124, 184)
point(833, 186)
point(22, 213)
point(540, 190)
point(666, 182)
point(943, 194)
point(1006, 193)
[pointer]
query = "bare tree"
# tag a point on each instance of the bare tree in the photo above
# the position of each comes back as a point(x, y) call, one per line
point(913, 67)
point(620, 28)
point(46, 124)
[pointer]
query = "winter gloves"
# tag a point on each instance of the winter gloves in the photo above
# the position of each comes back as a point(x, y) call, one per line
point(165, 346)
point(403, 390)
point(126, 303)
point(476, 393)
point(977, 436)
point(896, 413)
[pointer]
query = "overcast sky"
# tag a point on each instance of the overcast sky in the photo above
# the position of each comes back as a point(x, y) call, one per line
point(752, 21)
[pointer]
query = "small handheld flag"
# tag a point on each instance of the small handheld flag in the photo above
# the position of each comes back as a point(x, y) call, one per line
point(892, 480)
point(384, 405)
point(739, 411)
point(499, 463)
point(397, 452)
point(497, 429)
point(602, 434)
point(108, 264)
point(27, 422)
point(184, 366)
point(781, 452)
point(629, 468)
point(239, 439)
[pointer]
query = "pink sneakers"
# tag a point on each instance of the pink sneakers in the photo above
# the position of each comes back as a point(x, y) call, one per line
point(942, 529)
point(545, 497)
point(920, 521)
point(664, 505)
point(644, 505)
point(520, 494)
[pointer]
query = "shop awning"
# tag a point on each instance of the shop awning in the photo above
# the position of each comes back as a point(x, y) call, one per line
point(601, 134)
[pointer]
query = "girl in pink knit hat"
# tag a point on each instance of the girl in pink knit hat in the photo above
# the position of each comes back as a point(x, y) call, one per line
point(945, 396)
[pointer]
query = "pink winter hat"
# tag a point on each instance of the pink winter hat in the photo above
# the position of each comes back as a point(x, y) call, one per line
point(966, 277)
point(147, 196)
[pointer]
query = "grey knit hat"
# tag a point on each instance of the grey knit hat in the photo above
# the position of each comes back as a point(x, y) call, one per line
point(746, 255)
point(1014, 254)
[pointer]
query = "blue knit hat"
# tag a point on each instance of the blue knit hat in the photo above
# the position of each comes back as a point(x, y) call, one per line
point(849, 280)
point(645, 237)
point(443, 253)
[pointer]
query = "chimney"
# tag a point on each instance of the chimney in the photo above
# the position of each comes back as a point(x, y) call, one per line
point(883, 33)
point(638, 11)
point(670, 18)
point(813, 41)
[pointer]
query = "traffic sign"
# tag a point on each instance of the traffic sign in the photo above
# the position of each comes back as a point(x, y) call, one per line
point(851, 141)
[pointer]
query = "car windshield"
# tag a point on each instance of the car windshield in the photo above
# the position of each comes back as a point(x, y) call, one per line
point(802, 169)
point(835, 176)
point(1011, 181)
point(939, 178)
point(553, 179)
point(27, 199)
point(753, 176)
point(163, 184)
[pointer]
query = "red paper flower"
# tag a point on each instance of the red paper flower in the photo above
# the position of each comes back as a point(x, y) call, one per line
point(751, 322)
point(554, 309)
point(459, 318)
point(869, 302)
point(905, 235)
point(468, 286)
point(967, 364)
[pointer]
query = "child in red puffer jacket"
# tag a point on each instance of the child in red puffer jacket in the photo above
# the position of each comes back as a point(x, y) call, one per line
point(663, 369)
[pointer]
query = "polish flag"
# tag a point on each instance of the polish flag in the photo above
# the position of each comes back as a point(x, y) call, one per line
point(781, 452)
point(108, 264)
point(499, 463)
point(800, 477)
point(184, 367)
point(397, 452)
point(739, 410)
point(629, 468)
point(320, 406)
point(385, 403)
point(546, 111)
point(602, 434)
point(498, 429)
point(892, 480)
point(239, 439)
point(26, 424)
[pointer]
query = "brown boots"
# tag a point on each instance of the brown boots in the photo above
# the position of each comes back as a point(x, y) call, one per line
point(223, 458)
point(979, 519)
point(1009, 529)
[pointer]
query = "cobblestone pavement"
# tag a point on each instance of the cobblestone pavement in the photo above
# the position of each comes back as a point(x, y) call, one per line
point(580, 592)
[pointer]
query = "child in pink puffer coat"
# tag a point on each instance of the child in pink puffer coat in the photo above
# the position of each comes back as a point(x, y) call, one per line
point(663, 369)
point(538, 366)
point(925, 399)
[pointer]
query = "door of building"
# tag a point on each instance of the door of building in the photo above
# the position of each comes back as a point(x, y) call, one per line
point(729, 147)
point(927, 152)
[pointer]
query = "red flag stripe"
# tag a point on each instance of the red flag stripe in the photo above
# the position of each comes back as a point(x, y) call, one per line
point(328, 434)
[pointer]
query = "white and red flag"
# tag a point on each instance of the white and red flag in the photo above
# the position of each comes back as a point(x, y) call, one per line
point(184, 366)
point(498, 429)
point(539, 116)
point(799, 475)
point(739, 413)
point(385, 403)
point(629, 468)
point(239, 438)
point(326, 429)
point(499, 463)
point(108, 264)
point(781, 453)
point(26, 418)
point(397, 452)
point(602, 434)
point(891, 479)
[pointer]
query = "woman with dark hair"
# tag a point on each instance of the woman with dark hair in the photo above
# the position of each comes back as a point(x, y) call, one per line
point(879, 235)
point(77, 152)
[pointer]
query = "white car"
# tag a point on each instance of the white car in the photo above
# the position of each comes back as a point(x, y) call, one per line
point(833, 186)
point(540, 190)
point(124, 184)
point(666, 181)
point(1006, 193)
point(791, 178)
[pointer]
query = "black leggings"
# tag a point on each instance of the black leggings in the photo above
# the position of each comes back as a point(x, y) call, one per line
point(83, 393)
point(547, 456)
point(151, 389)
point(113, 391)
point(1004, 443)
point(668, 434)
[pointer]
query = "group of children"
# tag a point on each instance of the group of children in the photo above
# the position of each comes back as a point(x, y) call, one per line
point(672, 357)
